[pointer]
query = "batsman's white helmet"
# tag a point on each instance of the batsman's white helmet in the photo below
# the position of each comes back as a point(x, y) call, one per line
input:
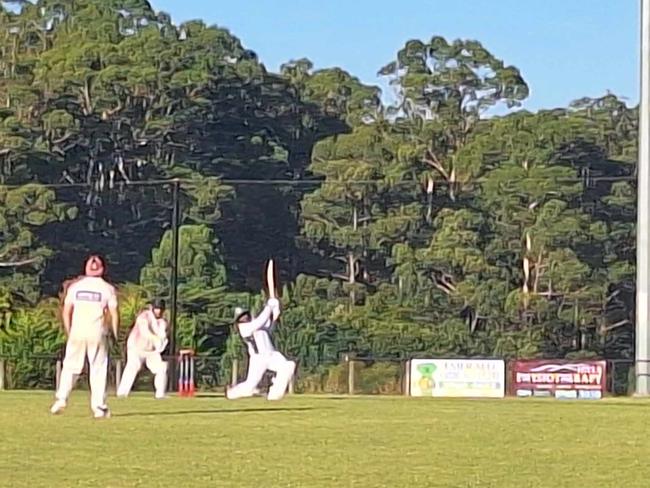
point(240, 312)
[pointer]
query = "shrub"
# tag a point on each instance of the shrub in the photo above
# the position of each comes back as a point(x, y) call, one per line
point(379, 378)
point(31, 342)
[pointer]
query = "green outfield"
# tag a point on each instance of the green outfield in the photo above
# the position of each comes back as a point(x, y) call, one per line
point(325, 442)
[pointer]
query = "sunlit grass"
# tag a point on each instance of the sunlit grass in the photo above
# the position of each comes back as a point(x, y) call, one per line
point(325, 442)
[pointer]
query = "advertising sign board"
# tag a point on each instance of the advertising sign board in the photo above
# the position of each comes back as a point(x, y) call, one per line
point(560, 379)
point(478, 378)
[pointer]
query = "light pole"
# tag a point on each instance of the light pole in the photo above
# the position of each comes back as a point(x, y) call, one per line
point(173, 285)
point(642, 363)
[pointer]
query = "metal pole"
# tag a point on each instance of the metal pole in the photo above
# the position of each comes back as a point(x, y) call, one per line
point(642, 365)
point(350, 361)
point(173, 285)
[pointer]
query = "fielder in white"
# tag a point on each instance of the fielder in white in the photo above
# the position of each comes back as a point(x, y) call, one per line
point(147, 340)
point(86, 301)
point(262, 355)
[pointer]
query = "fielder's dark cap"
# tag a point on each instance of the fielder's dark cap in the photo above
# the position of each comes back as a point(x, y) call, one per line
point(158, 303)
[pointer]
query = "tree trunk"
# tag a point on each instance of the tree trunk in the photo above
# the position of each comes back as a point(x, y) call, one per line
point(87, 102)
point(351, 265)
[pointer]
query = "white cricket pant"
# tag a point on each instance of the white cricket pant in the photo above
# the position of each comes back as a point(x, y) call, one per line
point(76, 352)
point(155, 364)
point(258, 364)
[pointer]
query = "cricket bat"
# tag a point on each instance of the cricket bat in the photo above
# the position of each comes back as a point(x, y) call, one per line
point(270, 279)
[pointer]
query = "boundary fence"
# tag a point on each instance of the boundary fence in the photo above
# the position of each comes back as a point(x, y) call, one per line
point(351, 375)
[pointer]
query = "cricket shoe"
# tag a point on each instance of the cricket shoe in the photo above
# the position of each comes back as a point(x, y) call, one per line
point(58, 407)
point(102, 413)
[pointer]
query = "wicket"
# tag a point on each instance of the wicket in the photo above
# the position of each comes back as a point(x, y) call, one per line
point(186, 373)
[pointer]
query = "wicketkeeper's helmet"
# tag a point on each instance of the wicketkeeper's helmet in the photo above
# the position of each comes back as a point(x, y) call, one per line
point(158, 303)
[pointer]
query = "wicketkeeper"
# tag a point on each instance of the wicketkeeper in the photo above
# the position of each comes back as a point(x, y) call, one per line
point(85, 302)
point(147, 340)
point(262, 355)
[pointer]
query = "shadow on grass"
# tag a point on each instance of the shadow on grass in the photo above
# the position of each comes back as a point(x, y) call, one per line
point(299, 395)
point(328, 398)
point(212, 412)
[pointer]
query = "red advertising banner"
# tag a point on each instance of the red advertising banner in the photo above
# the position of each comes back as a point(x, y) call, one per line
point(559, 379)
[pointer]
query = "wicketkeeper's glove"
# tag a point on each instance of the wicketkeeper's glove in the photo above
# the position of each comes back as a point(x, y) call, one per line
point(161, 345)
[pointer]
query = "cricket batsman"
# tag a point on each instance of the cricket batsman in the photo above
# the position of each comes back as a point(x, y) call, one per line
point(147, 340)
point(262, 355)
point(85, 303)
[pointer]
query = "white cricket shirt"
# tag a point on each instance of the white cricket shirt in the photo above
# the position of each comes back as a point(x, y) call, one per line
point(146, 324)
point(256, 333)
point(90, 297)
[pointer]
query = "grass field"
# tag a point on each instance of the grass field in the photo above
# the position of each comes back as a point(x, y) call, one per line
point(325, 442)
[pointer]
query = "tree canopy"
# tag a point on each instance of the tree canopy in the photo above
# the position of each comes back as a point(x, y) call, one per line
point(429, 225)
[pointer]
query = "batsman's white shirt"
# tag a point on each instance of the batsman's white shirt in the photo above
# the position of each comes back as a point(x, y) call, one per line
point(262, 357)
point(256, 333)
point(145, 325)
point(90, 297)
